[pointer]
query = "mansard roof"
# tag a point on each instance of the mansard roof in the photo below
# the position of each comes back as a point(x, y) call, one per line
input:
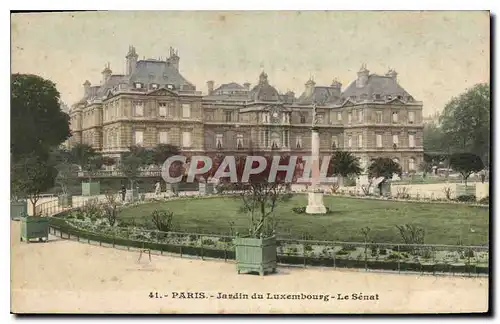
point(376, 85)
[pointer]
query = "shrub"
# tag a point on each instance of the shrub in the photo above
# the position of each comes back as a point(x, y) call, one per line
point(343, 252)
point(299, 210)
point(162, 220)
point(193, 237)
point(394, 256)
point(466, 198)
point(485, 200)
point(308, 247)
point(383, 251)
point(226, 239)
point(349, 247)
point(207, 242)
point(447, 192)
point(402, 193)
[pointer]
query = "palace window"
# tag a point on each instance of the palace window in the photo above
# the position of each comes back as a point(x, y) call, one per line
point(349, 117)
point(298, 142)
point(186, 139)
point(360, 141)
point(411, 117)
point(395, 117)
point(239, 141)
point(339, 116)
point(395, 140)
point(229, 116)
point(138, 137)
point(139, 109)
point(320, 118)
point(335, 142)
point(360, 116)
point(378, 117)
point(378, 140)
point(186, 111)
point(162, 109)
point(218, 141)
point(302, 118)
point(349, 141)
point(163, 137)
point(411, 164)
point(285, 138)
point(411, 140)
point(266, 138)
point(265, 117)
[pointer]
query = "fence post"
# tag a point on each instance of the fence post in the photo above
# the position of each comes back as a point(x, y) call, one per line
point(334, 263)
point(366, 257)
point(114, 237)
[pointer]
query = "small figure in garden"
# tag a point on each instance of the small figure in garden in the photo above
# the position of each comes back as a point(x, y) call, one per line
point(123, 191)
point(157, 188)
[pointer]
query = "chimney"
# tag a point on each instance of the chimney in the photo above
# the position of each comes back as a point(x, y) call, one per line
point(362, 76)
point(336, 87)
point(106, 73)
point(309, 87)
point(131, 60)
point(393, 74)
point(210, 87)
point(247, 86)
point(86, 88)
point(173, 59)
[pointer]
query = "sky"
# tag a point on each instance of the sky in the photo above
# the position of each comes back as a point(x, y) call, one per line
point(437, 54)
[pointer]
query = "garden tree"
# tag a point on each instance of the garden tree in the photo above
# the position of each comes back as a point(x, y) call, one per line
point(32, 175)
point(466, 163)
point(383, 167)
point(465, 122)
point(261, 196)
point(87, 159)
point(108, 161)
point(130, 165)
point(434, 138)
point(425, 167)
point(146, 155)
point(37, 122)
point(67, 171)
point(162, 152)
point(343, 164)
point(110, 208)
point(216, 162)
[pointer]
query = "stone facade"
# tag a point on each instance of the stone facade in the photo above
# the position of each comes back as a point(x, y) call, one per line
point(154, 104)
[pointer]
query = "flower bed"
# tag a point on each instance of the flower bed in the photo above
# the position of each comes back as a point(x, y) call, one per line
point(377, 256)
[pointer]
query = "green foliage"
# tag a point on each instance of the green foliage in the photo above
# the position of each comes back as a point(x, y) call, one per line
point(162, 152)
point(466, 198)
point(411, 234)
point(31, 175)
point(207, 242)
point(343, 163)
point(37, 122)
point(465, 122)
point(466, 163)
point(383, 167)
point(162, 220)
point(485, 200)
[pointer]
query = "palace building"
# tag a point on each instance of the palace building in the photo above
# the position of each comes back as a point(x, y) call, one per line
point(153, 103)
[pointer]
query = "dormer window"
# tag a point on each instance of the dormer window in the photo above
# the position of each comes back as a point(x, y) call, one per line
point(170, 86)
point(377, 96)
point(154, 86)
point(389, 97)
point(353, 98)
point(138, 85)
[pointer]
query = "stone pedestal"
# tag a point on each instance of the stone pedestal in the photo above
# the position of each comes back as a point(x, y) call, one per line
point(315, 203)
point(315, 197)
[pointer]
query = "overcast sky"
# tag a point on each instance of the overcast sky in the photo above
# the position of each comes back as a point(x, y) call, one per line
point(437, 54)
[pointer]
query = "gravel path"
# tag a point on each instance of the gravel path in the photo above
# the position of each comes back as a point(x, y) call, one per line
point(66, 276)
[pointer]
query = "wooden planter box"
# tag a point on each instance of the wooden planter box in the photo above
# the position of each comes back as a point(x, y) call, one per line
point(18, 209)
point(206, 188)
point(255, 254)
point(65, 201)
point(91, 188)
point(34, 227)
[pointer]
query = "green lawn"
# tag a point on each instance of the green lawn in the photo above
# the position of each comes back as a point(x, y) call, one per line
point(443, 223)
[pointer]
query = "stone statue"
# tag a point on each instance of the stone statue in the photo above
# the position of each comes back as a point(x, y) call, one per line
point(315, 117)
